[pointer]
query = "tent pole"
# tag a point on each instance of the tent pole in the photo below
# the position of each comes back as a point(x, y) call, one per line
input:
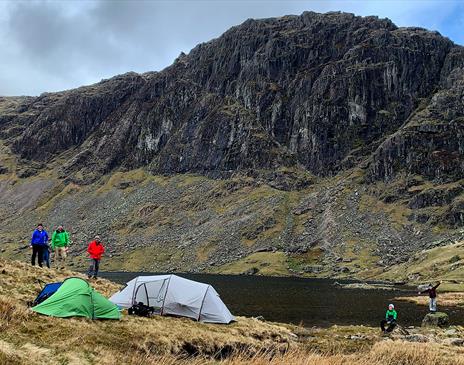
point(146, 293)
point(203, 302)
point(164, 299)
point(134, 292)
point(91, 300)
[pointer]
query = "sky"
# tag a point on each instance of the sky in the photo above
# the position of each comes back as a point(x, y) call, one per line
point(57, 45)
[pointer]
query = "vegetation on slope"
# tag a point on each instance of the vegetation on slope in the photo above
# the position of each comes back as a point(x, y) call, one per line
point(335, 228)
point(427, 266)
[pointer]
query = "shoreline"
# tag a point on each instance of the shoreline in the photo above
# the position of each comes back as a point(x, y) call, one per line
point(446, 299)
point(26, 337)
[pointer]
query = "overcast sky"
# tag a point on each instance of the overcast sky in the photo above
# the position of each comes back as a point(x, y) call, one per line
point(57, 45)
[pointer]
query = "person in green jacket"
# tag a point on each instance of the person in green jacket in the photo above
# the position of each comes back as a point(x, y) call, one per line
point(59, 244)
point(390, 319)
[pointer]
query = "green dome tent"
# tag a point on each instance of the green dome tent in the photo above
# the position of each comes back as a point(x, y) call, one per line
point(76, 298)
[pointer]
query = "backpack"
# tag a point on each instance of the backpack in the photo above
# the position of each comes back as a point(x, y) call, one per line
point(141, 310)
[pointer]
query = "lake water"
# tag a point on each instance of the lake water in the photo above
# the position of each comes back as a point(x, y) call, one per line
point(310, 302)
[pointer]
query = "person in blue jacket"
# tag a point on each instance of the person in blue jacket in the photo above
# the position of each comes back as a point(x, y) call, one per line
point(39, 243)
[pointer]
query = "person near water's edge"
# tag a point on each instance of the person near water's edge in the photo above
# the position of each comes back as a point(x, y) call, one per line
point(95, 251)
point(59, 244)
point(390, 319)
point(432, 292)
point(38, 244)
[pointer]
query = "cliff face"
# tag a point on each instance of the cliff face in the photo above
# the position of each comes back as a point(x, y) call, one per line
point(432, 141)
point(319, 90)
point(336, 138)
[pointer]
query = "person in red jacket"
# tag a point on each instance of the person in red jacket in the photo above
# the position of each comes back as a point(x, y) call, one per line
point(95, 251)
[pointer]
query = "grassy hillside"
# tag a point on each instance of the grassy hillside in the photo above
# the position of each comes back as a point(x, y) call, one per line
point(29, 338)
point(336, 227)
point(282, 222)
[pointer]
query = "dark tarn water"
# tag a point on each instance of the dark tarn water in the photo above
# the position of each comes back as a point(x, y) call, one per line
point(310, 302)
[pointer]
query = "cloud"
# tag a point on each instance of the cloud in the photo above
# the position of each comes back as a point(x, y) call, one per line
point(53, 45)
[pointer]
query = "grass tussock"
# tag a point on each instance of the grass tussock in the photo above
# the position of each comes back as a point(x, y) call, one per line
point(382, 353)
point(12, 313)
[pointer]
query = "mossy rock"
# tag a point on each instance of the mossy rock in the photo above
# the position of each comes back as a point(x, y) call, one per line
point(438, 319)
point(454, 259)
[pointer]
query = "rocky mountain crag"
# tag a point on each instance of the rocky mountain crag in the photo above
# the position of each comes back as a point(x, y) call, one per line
point(326, 136)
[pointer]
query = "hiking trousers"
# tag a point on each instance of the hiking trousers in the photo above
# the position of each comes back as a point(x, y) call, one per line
point(46, 256)
point(433, 304)
point(93, 269)
point(60, 256)
point(391, 325)
point(37, 250)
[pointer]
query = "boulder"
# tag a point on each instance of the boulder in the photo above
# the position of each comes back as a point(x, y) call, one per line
point(454, 259)
point(416, 338)
point(455, 341)
point(438, 319)
point(451, 332)
point(313, 269)
point(251, 271)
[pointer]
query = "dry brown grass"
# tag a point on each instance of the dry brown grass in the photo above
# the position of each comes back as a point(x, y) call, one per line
point(382, 353)
point(12, 313)
point(23, 281)
point(29, 338)
point(131, 337)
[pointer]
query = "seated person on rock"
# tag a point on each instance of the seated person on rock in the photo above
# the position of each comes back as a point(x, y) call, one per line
point(390, 319)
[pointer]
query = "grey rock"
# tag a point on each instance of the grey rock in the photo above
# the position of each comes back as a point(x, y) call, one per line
point(316, 90)
point(438, 319)
point(252, 271)
point(454, 341)
point(416, 338)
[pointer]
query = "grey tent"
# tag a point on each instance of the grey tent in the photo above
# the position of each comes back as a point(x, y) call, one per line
point(173, 295)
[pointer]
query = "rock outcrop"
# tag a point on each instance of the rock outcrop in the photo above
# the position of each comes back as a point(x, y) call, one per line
point(328, 144)
point(322, 91)
point(438, 319)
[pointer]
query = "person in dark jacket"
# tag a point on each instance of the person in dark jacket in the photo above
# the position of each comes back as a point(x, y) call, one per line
point(95, 251)
point(38, 244)
point(390, 319)
point(46, 254)
point(432, 292)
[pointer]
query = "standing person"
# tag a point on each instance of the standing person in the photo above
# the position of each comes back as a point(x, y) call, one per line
point(46, 254)
point(95, 251)
point(432, 292)
point(38, 243)
point(390, 319)
point(59, 244)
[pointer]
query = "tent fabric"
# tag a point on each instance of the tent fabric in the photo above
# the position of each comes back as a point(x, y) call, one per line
point(76, 298)
point(174, 295)
point(47, 291)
